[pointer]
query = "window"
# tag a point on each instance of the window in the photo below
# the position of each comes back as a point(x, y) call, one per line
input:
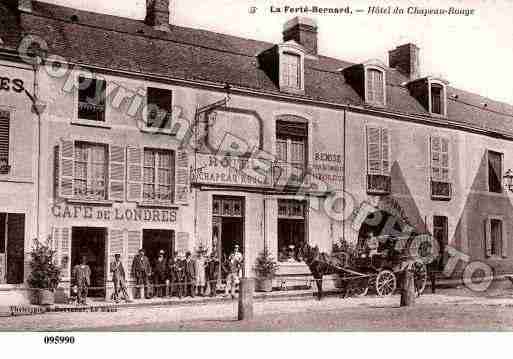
point(375, 87)
point(291, 140)
point(290, 71)
point(159, 107)
point(12, 242)
point(494, 238)
point(91, 99)
point(158, 175)
point(90, 173)
point(291, 229)
point(494, 172)
point(437, 99)
point(378, 161)
point(440, 182)
point(4, 142)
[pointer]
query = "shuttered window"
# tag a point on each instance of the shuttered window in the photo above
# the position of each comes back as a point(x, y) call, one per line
point(495, 243)
point(378, 160)
point(440, 159)
point(90, 174)
point(290, 71)
point(4, 141)
point(158, 175)
point(159, 105)
point(291, 140)
point(375, 87)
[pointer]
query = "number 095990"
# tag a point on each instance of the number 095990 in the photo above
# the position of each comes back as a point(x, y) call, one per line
point(59, 340)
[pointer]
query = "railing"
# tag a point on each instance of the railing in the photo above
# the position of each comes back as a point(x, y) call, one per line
point(91, 111)
point(287, 174)
point(441, 190)
point(378, 184)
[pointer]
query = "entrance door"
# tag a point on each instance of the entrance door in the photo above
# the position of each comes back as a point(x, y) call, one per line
point(90, 242)
point(155, 240)
point(228, 224)
point(441, 234)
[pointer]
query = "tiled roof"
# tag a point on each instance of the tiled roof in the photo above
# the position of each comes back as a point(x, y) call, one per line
point(191, 54)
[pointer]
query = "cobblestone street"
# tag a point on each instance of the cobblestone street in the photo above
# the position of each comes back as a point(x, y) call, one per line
point(432, 312)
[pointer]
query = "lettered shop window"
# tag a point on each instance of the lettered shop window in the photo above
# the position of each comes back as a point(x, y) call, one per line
point(4, 141)
point(494, 172)
point(90, 181)
point(290, 71)
point(158, 175)
point(91, 99)
point(159, 105)
point(375, 87)
point(291, 229)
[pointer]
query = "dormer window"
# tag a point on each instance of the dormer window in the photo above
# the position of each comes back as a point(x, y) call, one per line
point(290, 70)
point(375, 86)
point(437, 99)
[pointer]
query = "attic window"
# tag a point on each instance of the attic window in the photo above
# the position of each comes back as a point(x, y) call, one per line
point(375, 86)
point(290, 70)
point(437, 98)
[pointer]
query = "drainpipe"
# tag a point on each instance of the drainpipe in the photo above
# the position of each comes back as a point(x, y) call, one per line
point(344, 174)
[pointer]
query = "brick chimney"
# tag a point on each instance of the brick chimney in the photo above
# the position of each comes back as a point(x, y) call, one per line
point(25, 5)
point(302, 30)
point(406, 59)
point(157, 14)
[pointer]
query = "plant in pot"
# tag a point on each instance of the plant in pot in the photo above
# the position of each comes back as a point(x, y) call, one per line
point(45, 274)
point(265, 268)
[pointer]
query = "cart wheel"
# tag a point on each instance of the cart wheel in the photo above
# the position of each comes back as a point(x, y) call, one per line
point(386, 283)
point(419, 277)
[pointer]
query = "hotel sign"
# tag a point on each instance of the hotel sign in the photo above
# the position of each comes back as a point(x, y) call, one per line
point(230, 171)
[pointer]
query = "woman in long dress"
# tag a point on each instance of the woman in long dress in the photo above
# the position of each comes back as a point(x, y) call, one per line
point(200, 272)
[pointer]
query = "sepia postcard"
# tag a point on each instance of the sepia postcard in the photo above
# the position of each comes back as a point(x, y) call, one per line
point(249, 166)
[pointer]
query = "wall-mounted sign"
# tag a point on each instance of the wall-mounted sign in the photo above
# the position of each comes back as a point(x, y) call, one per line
point(230, 171)
point(114, 213)
point(328, 167)
point(8, 84)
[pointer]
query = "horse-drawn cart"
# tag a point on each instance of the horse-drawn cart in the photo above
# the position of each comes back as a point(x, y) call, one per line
point(376, 264)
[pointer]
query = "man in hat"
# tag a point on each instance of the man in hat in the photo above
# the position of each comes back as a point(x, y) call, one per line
point(235, 267)
point(190, 274)
point(118, 278)
point(82, 280)
point(160, 274)
point(141, 270)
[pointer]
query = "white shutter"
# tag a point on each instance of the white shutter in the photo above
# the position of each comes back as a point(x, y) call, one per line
point(373, 150)
point(182, 177)
point(134, 173)
point(63, 237)
point(385, 151)
point(134, 243)
point(4, 135)
point(504, 241)
point(444, 160)
point(66, 168)
point(115, 246)
point(488, 238)
point(116, 173)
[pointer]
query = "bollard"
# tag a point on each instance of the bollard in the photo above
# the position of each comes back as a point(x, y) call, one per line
point(246, 289)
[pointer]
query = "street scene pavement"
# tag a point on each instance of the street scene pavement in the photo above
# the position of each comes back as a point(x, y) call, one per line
point(449, 309)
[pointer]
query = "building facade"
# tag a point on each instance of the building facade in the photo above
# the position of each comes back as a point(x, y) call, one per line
point(160, 137)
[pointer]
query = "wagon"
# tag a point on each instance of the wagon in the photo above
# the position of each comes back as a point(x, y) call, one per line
point(377, 264)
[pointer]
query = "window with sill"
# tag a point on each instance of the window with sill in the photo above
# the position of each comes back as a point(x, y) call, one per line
point(159, 107)
point(494, 172)
point(4, 141)
point(437, 99)
point(291, 140)
point(291, 230)
point(378, 161)
point(90, 175)
point(158, 175)
point(441, 187)
point(91, 99)
point(375, 87)
point(291, 70)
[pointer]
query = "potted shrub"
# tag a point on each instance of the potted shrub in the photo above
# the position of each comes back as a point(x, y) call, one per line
point(45, 274)
point(265, 269)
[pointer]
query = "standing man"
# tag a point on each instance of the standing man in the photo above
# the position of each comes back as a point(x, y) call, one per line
point(82, 279)
point(172, 279)
point(141, 271)
point(190, 274)
point(160, 274)
point(118, 278)
point(180, 275)
point(213, 271)
point(235, 268)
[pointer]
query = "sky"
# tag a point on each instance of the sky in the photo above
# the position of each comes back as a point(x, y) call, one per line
point(474, 53)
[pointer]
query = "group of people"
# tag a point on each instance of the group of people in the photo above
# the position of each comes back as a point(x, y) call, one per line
point(177, 275)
